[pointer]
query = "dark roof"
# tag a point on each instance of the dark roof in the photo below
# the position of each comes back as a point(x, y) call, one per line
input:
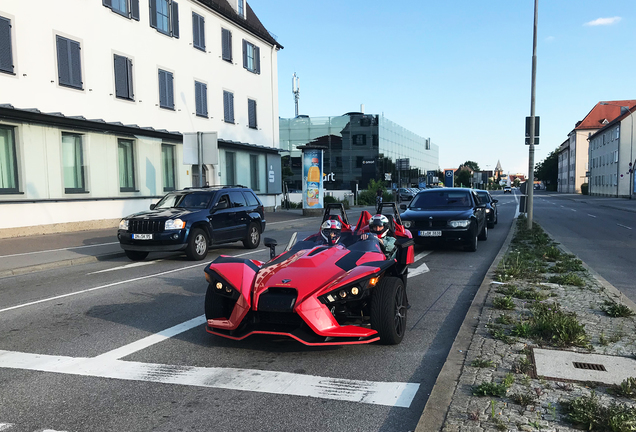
point(250, 23)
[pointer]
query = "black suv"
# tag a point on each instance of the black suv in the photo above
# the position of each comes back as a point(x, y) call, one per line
point(193, 219)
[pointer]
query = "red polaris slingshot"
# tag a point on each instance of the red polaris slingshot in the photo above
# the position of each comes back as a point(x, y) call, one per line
point(314, 292)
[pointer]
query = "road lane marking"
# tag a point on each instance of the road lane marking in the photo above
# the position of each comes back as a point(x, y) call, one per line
point(127, 266)
point(573, 210)
point(423, 268)
point(5, 426)
point(590, 215)
point(421, 255)
point(57, 250)
point(287, 221)
point(624, 226)
point(397, 394)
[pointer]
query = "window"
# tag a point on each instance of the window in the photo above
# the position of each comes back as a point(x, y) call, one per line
point(6, 56)
point(230, 177)
point(73, 163)
point(201, 98)
point(69, 65)
point(251, 57)
point(251, 199)
point(251, 113)
point(359, 140)
point(237, 199)
point(198, 31)
point(127, 8)
point(359, 161)
point(164, 16)
point(228, 107)
point(126, 166)
point(166, 90)
point(167, 167)
point(226, 45)
point(123, 78)
point(8, 161)
point(241, 8)
point(254, 175)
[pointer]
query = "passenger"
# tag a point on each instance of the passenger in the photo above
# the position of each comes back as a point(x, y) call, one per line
point(331, 231)
point(379, 225)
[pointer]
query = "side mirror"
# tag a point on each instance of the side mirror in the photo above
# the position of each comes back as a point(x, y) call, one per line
point(495, 201)
point(402, 206)
point(271, 244)
point(152, 206)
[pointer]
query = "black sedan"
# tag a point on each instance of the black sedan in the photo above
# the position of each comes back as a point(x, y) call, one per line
point(491, 207)
point(454, 215)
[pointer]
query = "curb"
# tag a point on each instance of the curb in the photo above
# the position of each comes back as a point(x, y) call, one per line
point(57, 264)
point(439, 401)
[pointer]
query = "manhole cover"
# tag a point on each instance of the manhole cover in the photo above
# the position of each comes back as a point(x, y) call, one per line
point(572, 366)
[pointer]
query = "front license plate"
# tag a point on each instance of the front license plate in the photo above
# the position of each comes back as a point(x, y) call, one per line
point(430, 233)
point(142, 236)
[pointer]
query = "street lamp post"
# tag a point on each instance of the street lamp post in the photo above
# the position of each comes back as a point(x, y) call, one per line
point(530, 188)
point(631, 163)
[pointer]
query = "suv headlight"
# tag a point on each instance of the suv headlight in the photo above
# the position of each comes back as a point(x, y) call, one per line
point(123, 224)
point(459, 223)
point(407, 223)
point(173, 224)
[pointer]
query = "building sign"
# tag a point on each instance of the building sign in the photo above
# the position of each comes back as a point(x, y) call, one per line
point(274, 184)
point(449, 179)
point(312, 179)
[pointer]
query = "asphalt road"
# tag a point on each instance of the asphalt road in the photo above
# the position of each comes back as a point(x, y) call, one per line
point(115, 345)
point(604, 238)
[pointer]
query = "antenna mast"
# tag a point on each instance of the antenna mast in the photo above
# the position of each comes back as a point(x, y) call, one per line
point(296, 91)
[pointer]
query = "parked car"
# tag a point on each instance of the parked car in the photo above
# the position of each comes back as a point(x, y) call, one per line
point(507, 189)
point(405, 194)
point(191, 220)
point(454, 215)
point(491, 207)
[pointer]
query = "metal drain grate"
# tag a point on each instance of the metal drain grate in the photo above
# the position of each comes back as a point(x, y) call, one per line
point(590, 366)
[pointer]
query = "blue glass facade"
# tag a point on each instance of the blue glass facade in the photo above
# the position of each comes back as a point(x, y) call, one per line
point(357, 147)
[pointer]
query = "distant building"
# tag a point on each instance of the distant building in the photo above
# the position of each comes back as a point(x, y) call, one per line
point(95, 97)
point(358, 147)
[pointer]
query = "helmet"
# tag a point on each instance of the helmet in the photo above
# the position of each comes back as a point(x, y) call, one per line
point(330, 231)
point(379, 225)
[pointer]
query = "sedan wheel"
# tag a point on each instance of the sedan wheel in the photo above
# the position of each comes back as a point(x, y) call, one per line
point(472, 245)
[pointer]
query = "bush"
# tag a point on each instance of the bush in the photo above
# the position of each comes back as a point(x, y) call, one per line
point(585, 188)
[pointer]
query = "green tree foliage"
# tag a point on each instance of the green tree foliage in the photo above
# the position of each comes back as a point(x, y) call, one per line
point(462, 178)
point(472, 165)
point(367, 196)
point(548, 170)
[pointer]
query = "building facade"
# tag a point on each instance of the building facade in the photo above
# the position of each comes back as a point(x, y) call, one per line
point(95, 101)
point(357, 148)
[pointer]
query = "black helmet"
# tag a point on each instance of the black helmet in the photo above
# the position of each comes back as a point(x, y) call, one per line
point(379, 225)
point(330, 231)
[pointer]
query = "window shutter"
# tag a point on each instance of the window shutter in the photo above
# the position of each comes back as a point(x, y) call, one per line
point(202, 32)
point(196, 36)
point(134, 9)
point(6, 57)
point(226, 106)
point(163, 89)
point(131, 94)
point(170, 91)
point(153, 13)
point(108, 3)
point(76, 65)
point(197, 97)
point(251, 113)
point(63, 66)
point(121, 77)
point(231, 99)
point(257, 60)
point(175, 19)
point(244, 53)
point(226, 37)
point(204, 98)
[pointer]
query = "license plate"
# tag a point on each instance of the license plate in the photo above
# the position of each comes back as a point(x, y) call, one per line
point(430, 233)
point(142, 236)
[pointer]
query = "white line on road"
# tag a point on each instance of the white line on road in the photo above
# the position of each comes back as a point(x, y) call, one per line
point(284, 383)
point(591, 215)
point(421, 255)
point(286, 221)
point(624, 226)
point(423, 268)
point(127, 266)
point(57, 250)
point(5, 426)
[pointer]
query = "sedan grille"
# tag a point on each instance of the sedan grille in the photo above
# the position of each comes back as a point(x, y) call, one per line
point(146, 226)
point(424, 224)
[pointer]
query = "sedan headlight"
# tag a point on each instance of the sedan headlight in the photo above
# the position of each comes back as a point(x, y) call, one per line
point(487, 210)
point(407, 223)
point(173, 224)
point(123, 224)
point(459, 223)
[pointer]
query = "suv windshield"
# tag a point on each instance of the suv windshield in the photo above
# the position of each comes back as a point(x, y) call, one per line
point(441, 199)
point(191, 200)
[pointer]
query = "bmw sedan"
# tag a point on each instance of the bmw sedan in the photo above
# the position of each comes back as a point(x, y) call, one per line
point(447, 215)
point(492, 215)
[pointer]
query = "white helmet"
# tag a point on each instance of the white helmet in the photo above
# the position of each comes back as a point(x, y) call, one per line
point(379, 225)
point(330, 231)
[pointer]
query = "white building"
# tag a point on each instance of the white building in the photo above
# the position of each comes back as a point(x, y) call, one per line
point(94, 101)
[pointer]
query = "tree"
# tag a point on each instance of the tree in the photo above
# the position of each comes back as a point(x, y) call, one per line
point(472, 165)
point(462, 178)
point(548, 170)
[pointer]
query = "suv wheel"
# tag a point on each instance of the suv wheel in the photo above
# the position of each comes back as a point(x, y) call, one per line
point(136, 255)
point(197, 247)
point(253, 237)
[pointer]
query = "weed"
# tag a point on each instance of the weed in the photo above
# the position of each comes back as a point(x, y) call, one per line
point(522, 329)
point(602, 340)
point(504, 319)
point(626, 389)
point(552, 254)
point(490, 389)
point(588, 412)
point(522, 366)
point(567, 279)
point(552, 325)
point(523, 399)
point(504, 303)
point(616, 310)
point(481, 363)
point(568, 265)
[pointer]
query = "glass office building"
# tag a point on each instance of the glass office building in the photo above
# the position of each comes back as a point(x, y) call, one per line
point(357, 148)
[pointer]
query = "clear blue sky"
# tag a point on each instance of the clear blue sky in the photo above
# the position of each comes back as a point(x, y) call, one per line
point(458, 71)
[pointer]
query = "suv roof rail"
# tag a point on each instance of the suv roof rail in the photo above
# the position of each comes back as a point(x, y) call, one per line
point(214, 187)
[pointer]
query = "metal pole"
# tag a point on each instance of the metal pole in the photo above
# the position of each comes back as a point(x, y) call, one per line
point(200, 157)
point(631, 158)
point(530, 190)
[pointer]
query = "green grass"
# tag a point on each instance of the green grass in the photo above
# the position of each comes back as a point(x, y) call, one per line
point(503, 303)
point(481, 363)
point(494, 389)
point(553, 326)
point(616, 309)
point(589, 413)
point(567, 279)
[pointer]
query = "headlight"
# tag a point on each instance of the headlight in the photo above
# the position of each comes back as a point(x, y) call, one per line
point(487, 210)
point(407, 224)
point(123, 224)
point(459, 223)
point(350, 292)
point(173, 224)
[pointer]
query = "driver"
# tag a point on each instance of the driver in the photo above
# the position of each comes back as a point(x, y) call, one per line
point(331, 230)
point(379, 225)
